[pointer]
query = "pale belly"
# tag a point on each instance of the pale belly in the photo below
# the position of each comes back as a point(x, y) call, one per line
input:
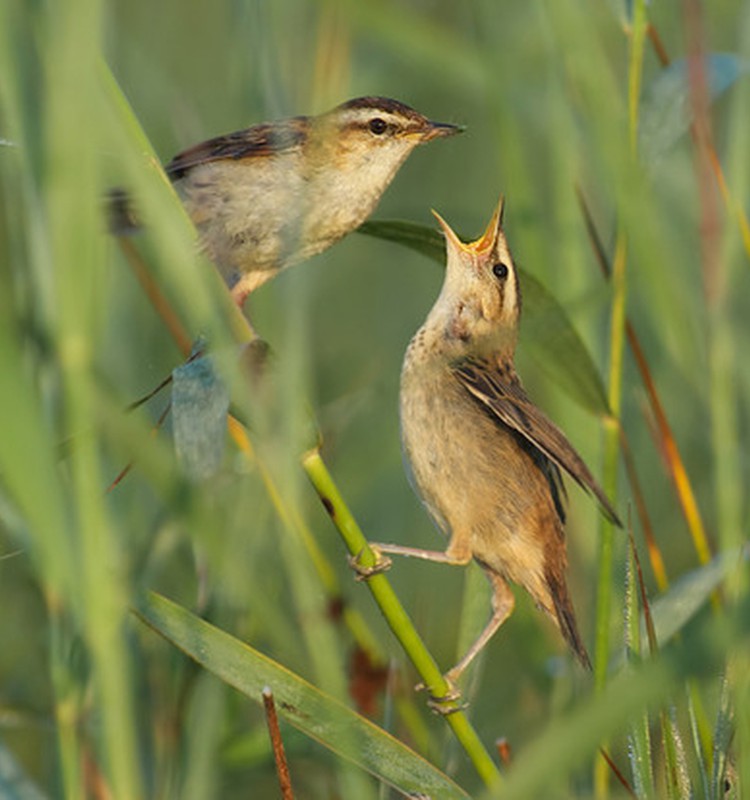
point(264, 217)
point(475, 479)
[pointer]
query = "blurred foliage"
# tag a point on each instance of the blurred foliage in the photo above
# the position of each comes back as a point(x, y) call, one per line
point(94, 704)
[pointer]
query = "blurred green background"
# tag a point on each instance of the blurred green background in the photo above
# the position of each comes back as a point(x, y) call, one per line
point(543, 88)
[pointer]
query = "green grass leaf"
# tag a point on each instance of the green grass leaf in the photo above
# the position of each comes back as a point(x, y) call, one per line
point(673, 610)
point(316, 714)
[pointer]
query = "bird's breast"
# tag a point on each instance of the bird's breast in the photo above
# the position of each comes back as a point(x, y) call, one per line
point(248, 212)
point(472, 475)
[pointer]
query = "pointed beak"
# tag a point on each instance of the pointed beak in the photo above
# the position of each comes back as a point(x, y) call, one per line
point(439, 130)
point(452, 241)
point(487, 240)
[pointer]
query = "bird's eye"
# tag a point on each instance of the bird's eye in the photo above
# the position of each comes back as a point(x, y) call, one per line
point(378, 126)
point(500, 270)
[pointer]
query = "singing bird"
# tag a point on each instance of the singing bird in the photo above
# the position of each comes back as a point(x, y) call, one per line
point(483, 458)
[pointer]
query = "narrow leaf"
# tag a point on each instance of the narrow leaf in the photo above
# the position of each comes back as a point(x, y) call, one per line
point(427, 241)
point(319, 716)
point(557, 349)
point(639, 735)
point(721, 784)
point(695, 734)
point(673, 610)
point(548, 335)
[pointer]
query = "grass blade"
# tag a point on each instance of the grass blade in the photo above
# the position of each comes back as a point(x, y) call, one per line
point(319, 716)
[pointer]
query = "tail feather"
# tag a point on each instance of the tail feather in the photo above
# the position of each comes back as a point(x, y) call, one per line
point(566, 618)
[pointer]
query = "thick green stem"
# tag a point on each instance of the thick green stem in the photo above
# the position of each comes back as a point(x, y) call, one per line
point(397, 618)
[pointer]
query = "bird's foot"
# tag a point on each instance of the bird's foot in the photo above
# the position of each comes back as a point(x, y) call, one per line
point(447, 702)
point(382, 564)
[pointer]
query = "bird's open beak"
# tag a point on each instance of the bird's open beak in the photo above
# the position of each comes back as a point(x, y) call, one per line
point(486, 241)
point(437, 130)
point(450, 236)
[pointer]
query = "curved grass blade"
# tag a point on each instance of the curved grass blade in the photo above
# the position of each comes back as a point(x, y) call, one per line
point(427, 241)
point(722, 782)
point(548, 334)
point(316, 714)
point(673, 610)
point(557, 349)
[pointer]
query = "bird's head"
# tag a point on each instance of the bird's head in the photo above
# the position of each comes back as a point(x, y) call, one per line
point(372, 136)
point(480, 303)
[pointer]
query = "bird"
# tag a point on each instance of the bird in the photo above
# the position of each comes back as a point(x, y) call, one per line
point(277, 193)
point(483, 458)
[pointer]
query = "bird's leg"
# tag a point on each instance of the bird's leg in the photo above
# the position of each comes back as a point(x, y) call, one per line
point(240, 293)
point(458, 553)
point(503, 602)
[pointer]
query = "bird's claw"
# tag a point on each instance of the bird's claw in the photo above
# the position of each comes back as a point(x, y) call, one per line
point(446, 703)
point(363, 573)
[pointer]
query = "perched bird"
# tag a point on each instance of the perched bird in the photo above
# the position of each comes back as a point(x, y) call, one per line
point(277, 193)
point(483, 458)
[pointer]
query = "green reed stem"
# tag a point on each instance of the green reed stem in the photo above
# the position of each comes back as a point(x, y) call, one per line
point(396, 616)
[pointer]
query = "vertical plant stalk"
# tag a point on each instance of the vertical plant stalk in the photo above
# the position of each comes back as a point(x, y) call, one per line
point(733, 206)
point(666, 440)
point(155, 295)
point(353, 620)
point(611, 460)
point(724, 393)
point(277, 745)
point(396, 617)
point(654, 552)
point(99, 587)
point(616, 353)
point(721, 383)
point(614, 396)
point(671, 741)
point(639, 751)
point(125, 123)
point(67, 703)
point(675, 464)
point(706, 158)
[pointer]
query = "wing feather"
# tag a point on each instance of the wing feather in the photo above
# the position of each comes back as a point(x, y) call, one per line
point(261, 140)
point(499, 389)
